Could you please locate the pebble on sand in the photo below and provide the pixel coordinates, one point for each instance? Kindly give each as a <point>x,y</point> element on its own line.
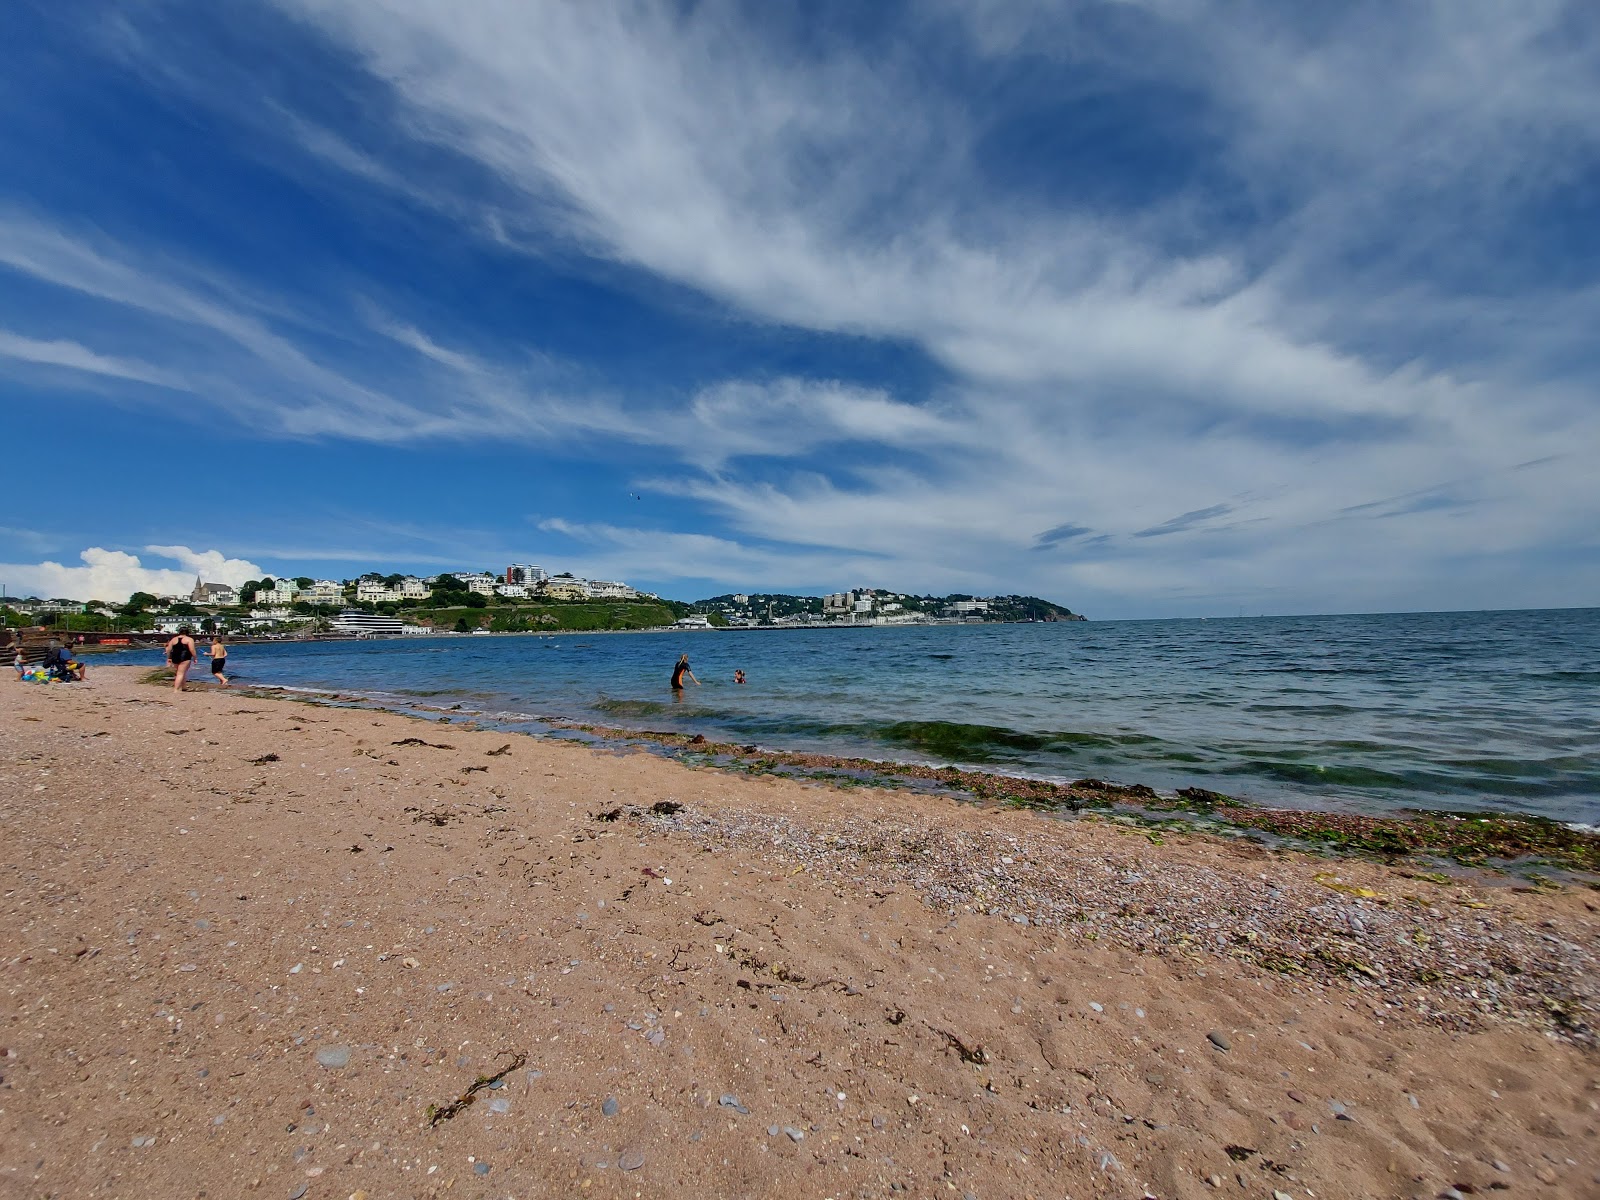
<point>610,1107</point>
<point>1219,1040</point>
<point>334,1056</point>
<point>630,1160</point>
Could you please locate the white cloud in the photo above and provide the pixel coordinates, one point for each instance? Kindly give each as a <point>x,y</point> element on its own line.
<point>61,353</point>
<point>622,552</point>
<point>1336,361</point>
<point>114,575</point>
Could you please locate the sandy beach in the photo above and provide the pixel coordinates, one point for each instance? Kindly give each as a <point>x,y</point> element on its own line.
<point>258,947</point>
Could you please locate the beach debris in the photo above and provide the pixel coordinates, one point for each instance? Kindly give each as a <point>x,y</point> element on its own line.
<point>433,817</point>
<point>698,739</point>
<point>1205,796</point>
<point>1116,789</point>
<point>470,770</point>
<point>1219,1040</point>
<point>334,1057</point>
<point>1333,882</point>
<point>729,1100</point>
<point>263,760</point>
<point>416,741</point>
<point>971,1054</point>
<point>437,1113</point>
<point>1239,1153</point>
<point>665,808</point>
<point>610,814</point>
<point>506,749</point>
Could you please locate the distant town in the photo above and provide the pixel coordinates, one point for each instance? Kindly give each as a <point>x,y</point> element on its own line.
<point>519,599</point>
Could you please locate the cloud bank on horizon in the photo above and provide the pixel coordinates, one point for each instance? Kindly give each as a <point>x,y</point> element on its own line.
<point>1124,304</point>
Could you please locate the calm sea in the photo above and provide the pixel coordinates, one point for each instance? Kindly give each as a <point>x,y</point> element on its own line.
<point>1492,710</point>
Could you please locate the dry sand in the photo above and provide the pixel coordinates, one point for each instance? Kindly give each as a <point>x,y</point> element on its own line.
<point>233,978</point>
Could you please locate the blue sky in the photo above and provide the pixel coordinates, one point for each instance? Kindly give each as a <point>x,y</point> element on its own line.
<point>1151,308</point>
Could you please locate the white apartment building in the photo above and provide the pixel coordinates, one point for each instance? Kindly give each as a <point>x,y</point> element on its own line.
<point>376,591</point>
<point>477,581</point>
<point>282,591</point>
<point>412,588</point>
<point>512,591</point>
<point>526,574</point>
<point>600,589</point>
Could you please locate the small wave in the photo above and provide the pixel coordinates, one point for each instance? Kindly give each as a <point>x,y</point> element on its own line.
<point>631,708</point>
<point>1365,777</point>
<point>1307,710</point>
<point>952,739</point>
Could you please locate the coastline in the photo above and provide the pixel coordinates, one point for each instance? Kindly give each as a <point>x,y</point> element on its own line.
<point>1531,847</point>
<point>267,936</point>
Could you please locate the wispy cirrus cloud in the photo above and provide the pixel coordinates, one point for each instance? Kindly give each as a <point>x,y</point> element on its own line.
<point>73,357</point>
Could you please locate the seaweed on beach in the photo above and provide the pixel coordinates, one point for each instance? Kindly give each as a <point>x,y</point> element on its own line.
<point>1477,839</point>
<point>443,1112</point>
<point>1473,839</point>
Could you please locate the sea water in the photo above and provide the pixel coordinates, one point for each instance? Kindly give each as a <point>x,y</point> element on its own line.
<point>1491,710</point>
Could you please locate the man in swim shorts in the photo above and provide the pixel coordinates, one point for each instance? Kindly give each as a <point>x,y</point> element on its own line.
<point>219,659</point>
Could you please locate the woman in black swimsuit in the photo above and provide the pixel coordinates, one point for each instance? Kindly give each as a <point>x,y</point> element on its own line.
<point>679,671</point>
<point>180,654</point>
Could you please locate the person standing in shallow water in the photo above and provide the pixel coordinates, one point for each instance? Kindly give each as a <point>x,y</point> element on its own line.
<point>180,655</point>
<point>678,672</point>
<point>219,659</point>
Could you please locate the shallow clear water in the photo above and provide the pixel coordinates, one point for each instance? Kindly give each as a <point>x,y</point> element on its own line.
<point>1439,710</point>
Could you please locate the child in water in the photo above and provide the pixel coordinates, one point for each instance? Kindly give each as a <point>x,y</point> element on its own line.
<point>738,676</point>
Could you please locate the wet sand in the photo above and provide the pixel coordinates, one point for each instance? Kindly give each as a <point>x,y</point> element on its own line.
<point>239,974</point>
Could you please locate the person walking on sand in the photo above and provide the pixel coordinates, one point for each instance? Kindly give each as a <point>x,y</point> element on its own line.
<point>180,654</point>
<point>679,671</point>
<point>219,659</point>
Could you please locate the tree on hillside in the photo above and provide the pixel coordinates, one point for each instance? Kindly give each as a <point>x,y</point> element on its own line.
<point>304,581</point>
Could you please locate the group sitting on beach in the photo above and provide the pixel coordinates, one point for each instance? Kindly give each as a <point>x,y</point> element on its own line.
<point>58,665</point>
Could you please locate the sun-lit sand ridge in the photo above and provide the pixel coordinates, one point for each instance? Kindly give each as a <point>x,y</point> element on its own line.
<point>243,974</point>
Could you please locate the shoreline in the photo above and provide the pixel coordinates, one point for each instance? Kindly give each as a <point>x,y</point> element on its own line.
<point>256,947</point>
<point>1486,839</point>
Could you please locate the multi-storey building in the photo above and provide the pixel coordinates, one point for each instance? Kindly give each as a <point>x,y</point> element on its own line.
<point>600,589</point>
<point>376,591</point>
